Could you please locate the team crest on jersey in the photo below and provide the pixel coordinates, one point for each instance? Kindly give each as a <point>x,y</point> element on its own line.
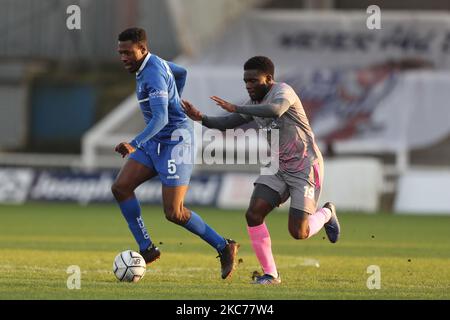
<point>268,124</point>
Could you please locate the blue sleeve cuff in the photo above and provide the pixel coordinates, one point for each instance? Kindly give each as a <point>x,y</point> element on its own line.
<point>134,143</point>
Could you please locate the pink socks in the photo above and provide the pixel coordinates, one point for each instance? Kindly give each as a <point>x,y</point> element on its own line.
<point>262,246</point>
<point>317,220</point>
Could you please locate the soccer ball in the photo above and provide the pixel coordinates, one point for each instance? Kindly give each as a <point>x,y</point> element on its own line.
<point>129,266</point>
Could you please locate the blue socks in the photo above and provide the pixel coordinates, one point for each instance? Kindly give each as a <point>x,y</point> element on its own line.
<point>196,225</point>
<point>132,212</point>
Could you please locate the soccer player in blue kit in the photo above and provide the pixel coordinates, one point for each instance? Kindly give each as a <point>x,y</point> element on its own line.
<point>156,150</point>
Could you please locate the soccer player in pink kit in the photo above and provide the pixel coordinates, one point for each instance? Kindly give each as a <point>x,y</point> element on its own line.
<point>275,105</point>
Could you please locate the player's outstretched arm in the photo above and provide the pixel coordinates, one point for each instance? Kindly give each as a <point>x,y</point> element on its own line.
<point>230,121</point>
<point>270,110</point>
<point>222,123</point>
<point>180,75</point>
<point>191,111</point>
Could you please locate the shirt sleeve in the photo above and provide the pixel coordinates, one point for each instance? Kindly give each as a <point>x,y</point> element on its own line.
<point>270,110</point>
<point>180,75</point>
<point>226,122</point>
<point>159,105</point>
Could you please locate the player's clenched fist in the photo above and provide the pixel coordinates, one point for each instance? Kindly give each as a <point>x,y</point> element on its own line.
<point>124,148</point>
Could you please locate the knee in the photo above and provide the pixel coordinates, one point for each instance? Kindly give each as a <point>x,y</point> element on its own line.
<point>119,190</point>
<point>298,234</point>
<point>175,215</point>
<point>253,217</point>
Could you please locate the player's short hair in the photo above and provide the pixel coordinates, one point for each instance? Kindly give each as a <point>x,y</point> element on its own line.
<point>135,35</point>
<point>260,63</point>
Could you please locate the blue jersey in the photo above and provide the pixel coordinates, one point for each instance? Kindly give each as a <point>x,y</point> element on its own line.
<point>159,86</point>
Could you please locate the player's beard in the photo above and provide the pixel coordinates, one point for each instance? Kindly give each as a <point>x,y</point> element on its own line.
<point>258,95</point>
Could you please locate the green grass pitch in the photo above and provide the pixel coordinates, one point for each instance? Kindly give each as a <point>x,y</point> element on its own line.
<point>38,242</point>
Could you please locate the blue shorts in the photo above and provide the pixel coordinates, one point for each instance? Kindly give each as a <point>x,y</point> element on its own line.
<point>172,162</point>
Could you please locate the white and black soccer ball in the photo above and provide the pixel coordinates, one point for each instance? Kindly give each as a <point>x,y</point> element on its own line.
<point>129,266</point>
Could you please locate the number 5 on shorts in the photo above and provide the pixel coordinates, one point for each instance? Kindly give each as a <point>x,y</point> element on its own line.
<point>171,167</point>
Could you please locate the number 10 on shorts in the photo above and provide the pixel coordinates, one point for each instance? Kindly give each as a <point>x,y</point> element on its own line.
<point>171,167</point>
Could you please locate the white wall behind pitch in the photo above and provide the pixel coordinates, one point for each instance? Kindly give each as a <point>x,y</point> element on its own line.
<point>424,191</point>
<point>353,184</point>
